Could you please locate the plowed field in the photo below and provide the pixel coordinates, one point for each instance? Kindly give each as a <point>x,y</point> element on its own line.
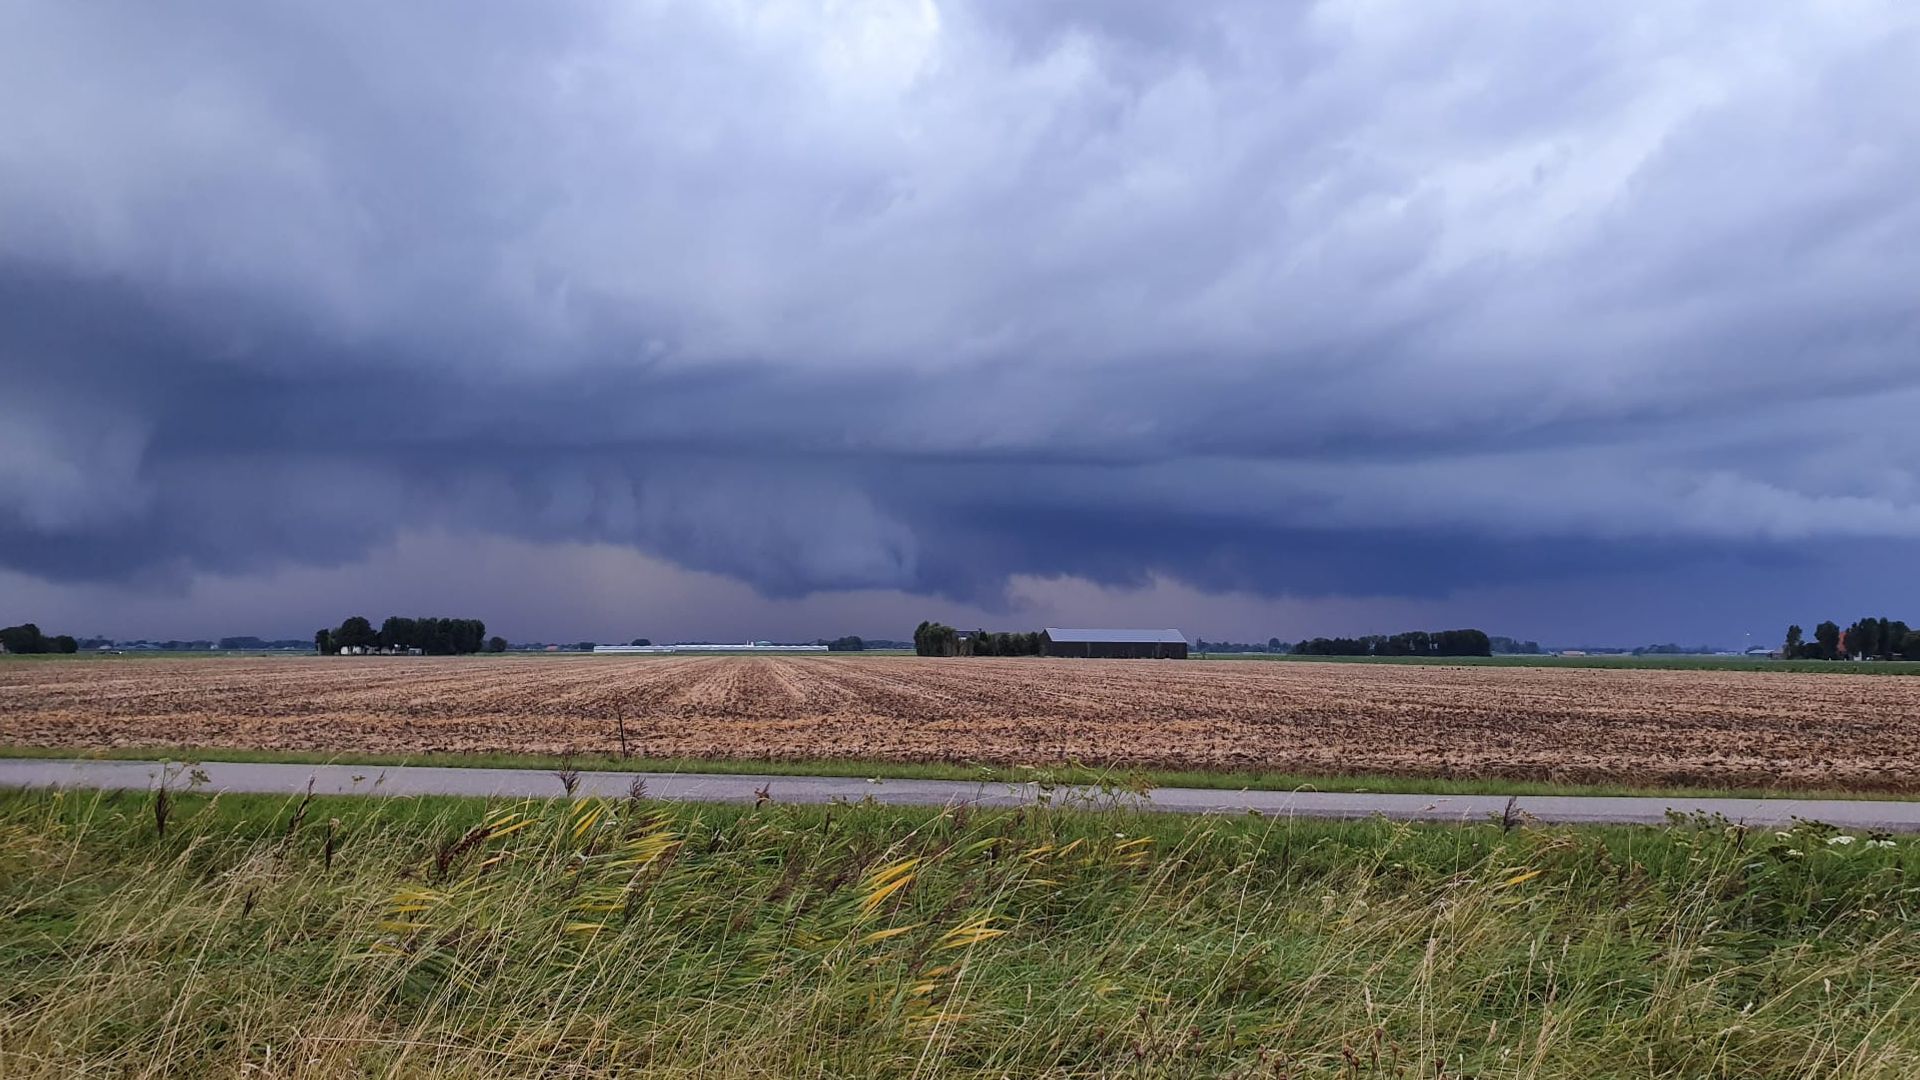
<point>1575,725</point>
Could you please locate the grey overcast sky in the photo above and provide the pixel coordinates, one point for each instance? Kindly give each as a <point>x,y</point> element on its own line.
<point>1586,323</point>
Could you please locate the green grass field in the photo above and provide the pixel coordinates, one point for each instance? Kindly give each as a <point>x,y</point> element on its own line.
<point>264,937</point>
<point>1060,775</point>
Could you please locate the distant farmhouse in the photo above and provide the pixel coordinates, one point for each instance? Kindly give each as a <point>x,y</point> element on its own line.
<point>1116,644</point>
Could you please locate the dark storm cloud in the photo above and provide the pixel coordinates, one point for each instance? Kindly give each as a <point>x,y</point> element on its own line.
<point>1262,298</point>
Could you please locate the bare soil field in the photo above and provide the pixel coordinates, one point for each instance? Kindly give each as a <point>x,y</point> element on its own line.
<point>1712,728</point>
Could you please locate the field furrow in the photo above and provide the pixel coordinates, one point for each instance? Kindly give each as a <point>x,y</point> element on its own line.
<point>1726,728</point>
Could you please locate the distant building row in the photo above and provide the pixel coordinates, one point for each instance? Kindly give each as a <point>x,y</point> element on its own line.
<point>939,639</point>
<point>748,647</point>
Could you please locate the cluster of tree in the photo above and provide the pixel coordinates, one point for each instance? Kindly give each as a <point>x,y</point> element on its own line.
<point>1506,646</point>
<point>850,643</point>
<point>170,644</point>
<point>1015,643</point>
<point>640,642</point>
<point>1272,645</point>
<point>27,638</point>
<point>1412,643</point>
<point>434,637</point>
<point>935,639</point>
<point>1866,639</point>
<point>939,639</point>
<point>254,643</point>
<point>1671,649</point>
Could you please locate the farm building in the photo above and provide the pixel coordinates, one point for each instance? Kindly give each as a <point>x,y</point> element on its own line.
<point>1117,644</point>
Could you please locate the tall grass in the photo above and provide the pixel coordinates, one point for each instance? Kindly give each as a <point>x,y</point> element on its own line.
<point>1060,774</point>
<point>266,937</point>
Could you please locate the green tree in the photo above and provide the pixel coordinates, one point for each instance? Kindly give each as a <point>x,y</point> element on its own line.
<point>936,639</point>
<point>640,641</point>
<point>397,633</point>
<point>1895,639</point>
<point>496,644</point>
<point>355,633</point>
<point>1863,639</point>
<point>63,643</point>
<point>25,638</point>
<point>1795,642</point>
<point>1827,635</point>
<point>323,642</point>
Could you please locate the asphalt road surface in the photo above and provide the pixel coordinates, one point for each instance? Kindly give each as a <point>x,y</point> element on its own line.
<point>708,787</point>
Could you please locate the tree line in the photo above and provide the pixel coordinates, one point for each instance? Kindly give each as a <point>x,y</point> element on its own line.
<point>1273,645</point>
<point>1412,643</point>
<point>1502,646</point>
<point>246,642</point>
<point>1866,639</point>
<point>27,638</point>
<point>434,637</point>
<point>939,639</point>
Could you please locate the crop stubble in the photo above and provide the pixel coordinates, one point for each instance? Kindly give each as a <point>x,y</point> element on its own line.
<point>1576,725</point>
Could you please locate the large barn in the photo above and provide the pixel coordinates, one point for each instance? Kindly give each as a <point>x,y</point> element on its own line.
<point>1117,644</point>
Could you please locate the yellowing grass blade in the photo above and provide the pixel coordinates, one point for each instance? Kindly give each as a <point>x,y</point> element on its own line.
<point>970,933</point>
<point>888,873</point>
<point>889,932</point>
<point>879,896</point>
<point>588,816</point>
<point>509,830</point>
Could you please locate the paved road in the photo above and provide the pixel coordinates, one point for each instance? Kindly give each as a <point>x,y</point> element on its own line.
<point>701,787</point>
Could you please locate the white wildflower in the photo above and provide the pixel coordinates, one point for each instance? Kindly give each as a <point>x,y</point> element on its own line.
<point>1842,840</point>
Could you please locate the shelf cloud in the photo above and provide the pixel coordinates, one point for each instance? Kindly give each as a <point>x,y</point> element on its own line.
<point>1248,302</point>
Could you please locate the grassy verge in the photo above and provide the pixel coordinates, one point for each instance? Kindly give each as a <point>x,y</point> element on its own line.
<point>272,937</point>
<point>897,770</point>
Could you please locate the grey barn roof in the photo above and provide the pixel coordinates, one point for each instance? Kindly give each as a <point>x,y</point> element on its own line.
<point>1063,634</point>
